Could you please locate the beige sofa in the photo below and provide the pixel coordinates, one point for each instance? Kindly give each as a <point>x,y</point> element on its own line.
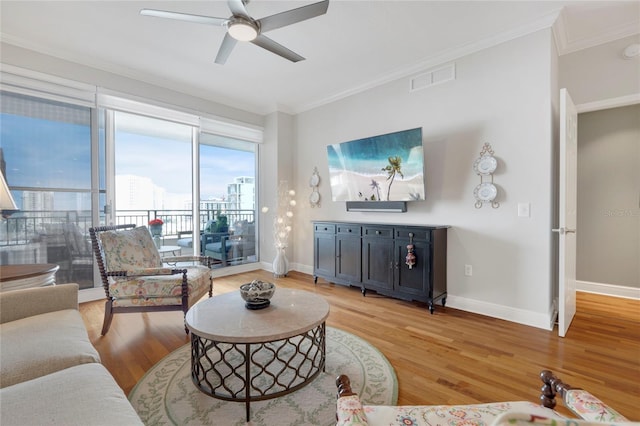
<point>50,373</point>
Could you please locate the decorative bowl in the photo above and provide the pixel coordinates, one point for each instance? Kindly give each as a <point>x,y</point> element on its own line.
<point>257,293</point>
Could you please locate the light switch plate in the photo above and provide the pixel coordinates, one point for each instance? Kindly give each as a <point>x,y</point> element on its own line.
<point>524,210</point>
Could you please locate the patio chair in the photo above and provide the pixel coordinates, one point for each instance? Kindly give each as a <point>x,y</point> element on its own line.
<point>134,278</point>
<point>56,249</point>
<point>80,256</point>
<point>185,238</point>
<point>217,246</point>
<point>242,243</point>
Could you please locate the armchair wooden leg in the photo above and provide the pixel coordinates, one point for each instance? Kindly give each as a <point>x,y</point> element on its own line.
<point>108,316</point>
<point>184,319</point>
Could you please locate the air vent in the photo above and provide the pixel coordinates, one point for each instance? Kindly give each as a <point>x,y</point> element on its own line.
<point>433,77</point>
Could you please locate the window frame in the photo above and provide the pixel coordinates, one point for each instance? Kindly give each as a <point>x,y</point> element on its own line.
<point>101,101</point>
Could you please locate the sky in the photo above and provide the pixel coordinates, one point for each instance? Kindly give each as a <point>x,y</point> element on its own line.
<point>56,154</point>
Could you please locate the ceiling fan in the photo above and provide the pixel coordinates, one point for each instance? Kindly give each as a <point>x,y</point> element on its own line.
<point>242,27</point>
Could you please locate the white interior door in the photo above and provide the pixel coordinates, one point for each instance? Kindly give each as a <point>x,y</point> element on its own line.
<point>567,213</point>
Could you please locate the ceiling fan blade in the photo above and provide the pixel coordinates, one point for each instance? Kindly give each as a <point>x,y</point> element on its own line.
<point>237,8</point>
<point>198,19</point>
<point>228,43</point>
<point>278,49</point>
<point>292,16</point>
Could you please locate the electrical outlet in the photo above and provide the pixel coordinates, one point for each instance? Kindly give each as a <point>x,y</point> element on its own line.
<point>468,270</point>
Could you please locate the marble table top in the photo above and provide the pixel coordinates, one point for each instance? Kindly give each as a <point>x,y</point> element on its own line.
<point>224,318</point>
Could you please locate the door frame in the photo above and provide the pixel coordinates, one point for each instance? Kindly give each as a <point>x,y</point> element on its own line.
<point>600,105</point>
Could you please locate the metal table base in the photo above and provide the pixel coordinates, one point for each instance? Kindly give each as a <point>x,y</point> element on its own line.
<point>245,372</point>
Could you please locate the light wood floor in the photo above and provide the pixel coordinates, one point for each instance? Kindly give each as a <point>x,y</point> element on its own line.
<point>451,357</point>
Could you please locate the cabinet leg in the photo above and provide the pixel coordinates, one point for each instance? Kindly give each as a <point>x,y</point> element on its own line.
<point>315,279</point>
<point>444,300</point>
<point>363,291</point>
<point>431,307</point>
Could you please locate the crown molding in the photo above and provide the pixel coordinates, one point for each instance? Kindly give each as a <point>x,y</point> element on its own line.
<point>542,23</point>
<point>559,29</point>
<point>554,20</point>
<point>129,73</point>
<point>566,46</point>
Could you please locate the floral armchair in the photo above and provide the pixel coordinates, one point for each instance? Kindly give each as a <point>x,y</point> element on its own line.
<point>592,411</point>
<point>134,278</point>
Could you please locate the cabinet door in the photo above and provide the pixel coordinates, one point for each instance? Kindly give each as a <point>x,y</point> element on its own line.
<point>377,262</point>
<point>413,282</point>
<point>324,253</point>
<point>348,258</point>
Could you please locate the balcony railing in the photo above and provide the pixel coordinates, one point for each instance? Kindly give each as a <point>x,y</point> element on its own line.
<point>39,236</point>
<point>25,226</point>
<point>178,221</point>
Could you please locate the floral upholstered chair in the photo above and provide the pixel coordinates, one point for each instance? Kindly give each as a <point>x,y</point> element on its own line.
<point>134,278</point>
<point>592,411</point>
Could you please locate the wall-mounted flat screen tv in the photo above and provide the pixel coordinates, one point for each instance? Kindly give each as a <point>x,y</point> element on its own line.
<point>387,167</point>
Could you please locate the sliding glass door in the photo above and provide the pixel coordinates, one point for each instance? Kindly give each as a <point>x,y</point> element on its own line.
<point>46,156</point>
<point>153,180</point>
<point>73,163</point>
<point>228,199</point>
<point>153,174</point>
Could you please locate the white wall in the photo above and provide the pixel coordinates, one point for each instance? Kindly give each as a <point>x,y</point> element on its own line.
<point>600,72</point>
<point>502,96</point>
<point>276,165</point>
<point>608,238</point>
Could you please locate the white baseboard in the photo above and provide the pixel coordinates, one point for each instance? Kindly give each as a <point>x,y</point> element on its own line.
<point>520,316</point>
<point>533,319</point>
<point>236,269</point>
<point>609,289</point>
<point>305,269</point>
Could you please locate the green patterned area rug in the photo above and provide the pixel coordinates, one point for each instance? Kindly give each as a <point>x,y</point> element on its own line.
<point>166,395</point>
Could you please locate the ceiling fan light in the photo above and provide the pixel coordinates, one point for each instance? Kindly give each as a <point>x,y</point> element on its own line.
<point>243,31</point>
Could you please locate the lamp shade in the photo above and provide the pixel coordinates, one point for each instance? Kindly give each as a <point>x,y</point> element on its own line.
<point>6,200</point>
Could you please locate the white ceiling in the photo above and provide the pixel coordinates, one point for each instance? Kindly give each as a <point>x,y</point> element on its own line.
<point>356,45</point>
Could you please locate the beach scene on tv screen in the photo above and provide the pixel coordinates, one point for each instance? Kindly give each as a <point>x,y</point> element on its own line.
<point>387,167</point>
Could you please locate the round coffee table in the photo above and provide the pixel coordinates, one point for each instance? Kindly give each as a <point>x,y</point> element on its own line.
<point>244,355</point>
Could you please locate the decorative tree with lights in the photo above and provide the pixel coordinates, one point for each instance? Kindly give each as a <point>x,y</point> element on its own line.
<point>282,227</point>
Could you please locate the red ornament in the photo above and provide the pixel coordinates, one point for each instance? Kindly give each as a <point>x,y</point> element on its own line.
<point>410,260</point>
